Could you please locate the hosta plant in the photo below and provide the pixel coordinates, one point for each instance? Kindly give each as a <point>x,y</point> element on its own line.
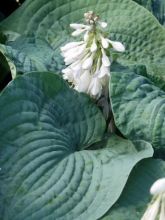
<point>82,131</point>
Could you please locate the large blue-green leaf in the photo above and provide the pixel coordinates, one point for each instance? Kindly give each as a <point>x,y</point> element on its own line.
<point>128,22</point>
<point>135,197</point>
<point>157,7</point>
<point>138,107</point>
<point>30,54</point>
<point>51,165</point>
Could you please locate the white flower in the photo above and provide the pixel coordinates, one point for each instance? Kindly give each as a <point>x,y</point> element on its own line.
<point>152,211</point>
<point>162,213</point>
<point>95,87</point>
<point>86,36</point>
<point>118,46</point>
<point>71,45</point>
<point>83,82</point>
<point>68,74</point>
<point>104,70</point>
<point>104,42</point>
<point>79,29</point>
<point>93,46</point>
<point>103,24</point>
<point>76,66</point>
<point>88,62</point>
<point>156,210</point>
<point>79,26</point>
<point>77,32</point>
<point>158,187</point>
<point>74,54</point>
<point>105,59</point>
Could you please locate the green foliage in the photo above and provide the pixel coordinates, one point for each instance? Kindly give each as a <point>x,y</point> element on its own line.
<point>138,107</point>
<point>47,167</point>
<point>30,54</point>
<point>157,7</point>
<point>135,196</point>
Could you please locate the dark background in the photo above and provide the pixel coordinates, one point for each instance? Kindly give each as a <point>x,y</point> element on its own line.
<point>6,8</point>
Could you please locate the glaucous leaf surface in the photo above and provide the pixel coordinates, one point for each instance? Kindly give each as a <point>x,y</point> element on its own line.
<point>30,54</point>
<point>157,7</point>
<point>135,197</point>
<point>51,164</point>
<point>138,107</point>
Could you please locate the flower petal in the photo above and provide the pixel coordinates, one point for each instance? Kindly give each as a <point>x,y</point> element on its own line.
<point>162,210</point>
<point>83,83</point>
<point>103,24</point>
<point>71,45</point>
<point>93,46</point>
<point>152,211</point>
<point>78,26</point>
<point>95,87</point>
<point>76,64</point>
<point>74,54</point>
<point>68,74</point>
<point>158,187</point>
<point>77,32</point>
<point>87,63</point>
<point>118,46</point>
<point>104,70</point>
<point>105,59</point>
<point>104,42</point>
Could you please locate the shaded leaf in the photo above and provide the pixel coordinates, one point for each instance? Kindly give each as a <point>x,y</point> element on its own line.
<point>135,197</point>
<point>30,54</point>
<point>48,167</point>
<point>138,107</point>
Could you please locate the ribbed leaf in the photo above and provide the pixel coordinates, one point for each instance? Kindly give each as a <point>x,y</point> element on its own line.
<point>138,108</point>
<point>129,23</point>
<point>136,196</point>
<point>48,169</point>
<point>157,7</point>
<point>30,54</point>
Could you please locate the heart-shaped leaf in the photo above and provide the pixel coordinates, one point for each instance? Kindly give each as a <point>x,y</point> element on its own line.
<point>138,107</point>
<point>51,166</point>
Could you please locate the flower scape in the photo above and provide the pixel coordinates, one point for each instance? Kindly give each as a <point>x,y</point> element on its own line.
<point>88,62</point>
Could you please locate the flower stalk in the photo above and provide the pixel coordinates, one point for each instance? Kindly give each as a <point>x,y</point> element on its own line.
<point>88,62</point>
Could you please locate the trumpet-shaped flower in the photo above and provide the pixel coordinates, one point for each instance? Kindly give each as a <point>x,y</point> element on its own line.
<point>88,60</point>
<point>156,209</point>
<point>104,42</point>
<point>118,46</point>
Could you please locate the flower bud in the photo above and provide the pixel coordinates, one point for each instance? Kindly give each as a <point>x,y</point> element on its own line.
<point>118,46</point>
<point>158,187</point>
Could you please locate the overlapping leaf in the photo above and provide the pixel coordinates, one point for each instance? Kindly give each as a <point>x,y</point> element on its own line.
<point>48,169</point>
<point>138,108</point>
<point>30,54</point>
<point>136,196</point>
